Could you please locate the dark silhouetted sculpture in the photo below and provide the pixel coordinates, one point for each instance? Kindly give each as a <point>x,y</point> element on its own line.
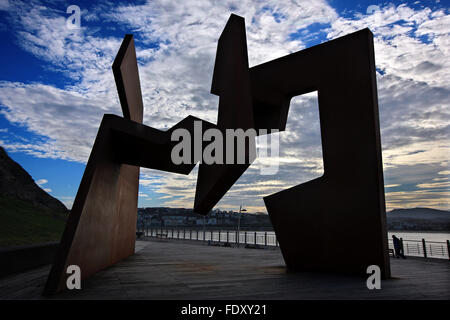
<point>335,223</point>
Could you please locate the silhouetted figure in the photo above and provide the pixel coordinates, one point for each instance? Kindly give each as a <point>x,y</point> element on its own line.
<point>398,248</point>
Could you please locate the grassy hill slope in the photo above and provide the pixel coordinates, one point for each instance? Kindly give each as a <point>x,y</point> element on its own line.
<point>21,223</point>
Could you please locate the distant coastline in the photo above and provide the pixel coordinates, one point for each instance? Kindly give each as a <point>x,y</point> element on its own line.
<point>414,220</point>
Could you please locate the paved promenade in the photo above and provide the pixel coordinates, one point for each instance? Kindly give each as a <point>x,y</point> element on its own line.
<point>171,269</point>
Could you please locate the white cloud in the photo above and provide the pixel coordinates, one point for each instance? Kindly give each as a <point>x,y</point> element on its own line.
<point>40,182</point>
<point>176,78</point>
<point>434,185</point>
<point>67,200</point>
<point>4,5</point>
<point>419,198</point>
<point>398,49</point>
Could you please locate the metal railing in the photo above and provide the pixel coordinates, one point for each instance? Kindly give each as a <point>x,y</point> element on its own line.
<point>415,248</point>
<point>423,248</point>
<point>258,238</point>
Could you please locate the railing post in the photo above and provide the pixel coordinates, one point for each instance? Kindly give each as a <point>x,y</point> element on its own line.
<point>265,238</point>
<point>228,237</point>
<point>245,234</point>
<point>448,249</point>
<point>401,246</point>
<point>255,238</point>
<point>219,235</point>
<point>424,248</point>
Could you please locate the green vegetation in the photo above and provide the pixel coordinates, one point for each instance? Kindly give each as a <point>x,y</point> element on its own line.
<point>21,223</point>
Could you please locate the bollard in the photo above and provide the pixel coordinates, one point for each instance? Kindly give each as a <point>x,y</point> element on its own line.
<point>424,248</point>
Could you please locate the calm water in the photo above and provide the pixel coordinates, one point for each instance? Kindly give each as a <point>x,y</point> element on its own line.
<point>428,236</point>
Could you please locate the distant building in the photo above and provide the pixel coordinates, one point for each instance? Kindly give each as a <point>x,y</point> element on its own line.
<point>182,217</point>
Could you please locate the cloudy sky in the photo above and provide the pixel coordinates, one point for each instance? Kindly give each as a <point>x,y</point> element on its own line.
<point>56,83</point>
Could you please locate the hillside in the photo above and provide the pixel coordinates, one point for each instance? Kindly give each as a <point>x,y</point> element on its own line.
<point>419,219</point>
<point>28,214</point>
<point>22,223</point>
<point>16,183</point>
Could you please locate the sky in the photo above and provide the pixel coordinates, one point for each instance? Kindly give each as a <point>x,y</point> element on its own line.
<point>56,83</point>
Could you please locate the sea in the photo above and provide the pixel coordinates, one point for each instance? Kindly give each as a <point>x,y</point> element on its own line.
<point>417,235</point>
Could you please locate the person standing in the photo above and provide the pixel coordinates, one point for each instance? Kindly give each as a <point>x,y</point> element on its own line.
<point>398,247</point>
